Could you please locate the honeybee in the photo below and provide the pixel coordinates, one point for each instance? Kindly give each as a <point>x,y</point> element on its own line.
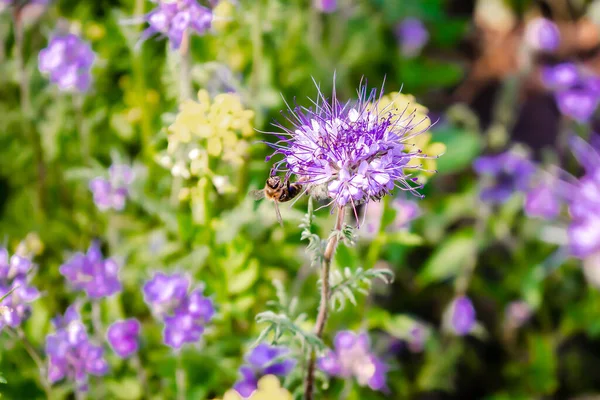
<point>278,191</point>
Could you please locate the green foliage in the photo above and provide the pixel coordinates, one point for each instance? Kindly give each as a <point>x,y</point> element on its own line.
<point>346,284</point>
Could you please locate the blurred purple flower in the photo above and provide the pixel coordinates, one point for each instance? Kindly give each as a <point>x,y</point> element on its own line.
<point>68,61</point>
<point>352,357</point>
<point>91,273</point>
<point>560,76</point>
<point>112,192</point>
<point>15,275</point>
<point>517,314</point>
<point>542,34</point>
<point>325,6</point>
<point>174,18</point>
<point>462,316</point>
<point>542,202</point>
<point>578,103</point>
<point>406,211</point>
<point>71,355</point>
<point>509,171</point>
<point>583,199</point>
<point>183,314</point>
<point>417,337</point>
<point>262,360</point>
<point>354,152</point>
<point>123,337</point>
<point>413,36</point>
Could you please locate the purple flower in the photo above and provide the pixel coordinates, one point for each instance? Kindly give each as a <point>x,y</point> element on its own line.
<point>508,171</point>
<point>560,76</point>
<point>123,337</point>
<point>542,202</point>
<point>353,152</point>
<point>542,34</point>
<point>68,61</point>
<point>578,103</point>
<point>15,275</point>
<point>583,199</point>
<point>406,211</point>
<point>174,18</point>
<point>462,316</point>
<point>413,36</point>
<point>352,357</point>
<point>91,273</point>
<point>112,192</point>
<point>517,314</point>
<point>325,6</point>
<point>71,355</point>
<point>183,314</point>
<point>262,360</point>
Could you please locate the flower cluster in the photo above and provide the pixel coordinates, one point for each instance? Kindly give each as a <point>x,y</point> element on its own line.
<point>352,357</point>
<point>262,360</point>
<point>413,36</point>
<point>583,200</point>
<point>507,173</point>
<point>68,61</point>
<point>123,337</point>
<point>112,193</point>
<point>184,314</point>
<point>70,353</point>
<point>355,151</point>
<point>541,34</point>
<point>15,276</point>
<point>174,19</point>
<point>268,388</point>
<point>90,272</point>
<point>577,92</point>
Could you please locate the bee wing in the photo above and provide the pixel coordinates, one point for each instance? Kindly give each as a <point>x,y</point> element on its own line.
<point>257,194</point>
<point>278,213</point>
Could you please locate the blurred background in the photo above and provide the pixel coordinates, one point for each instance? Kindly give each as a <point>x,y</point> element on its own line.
<point>142,142</point>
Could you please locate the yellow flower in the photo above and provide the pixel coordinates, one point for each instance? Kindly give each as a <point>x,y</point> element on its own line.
<point>414,117</point>
<point>216,128</point>
<point>269,388</point>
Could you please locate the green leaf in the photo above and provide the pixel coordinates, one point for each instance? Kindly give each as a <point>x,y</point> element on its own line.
<point>449,258</point>
<point>462,147</point>
<point>242,280</point>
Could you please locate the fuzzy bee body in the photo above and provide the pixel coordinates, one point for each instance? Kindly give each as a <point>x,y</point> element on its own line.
<point>278,191</point>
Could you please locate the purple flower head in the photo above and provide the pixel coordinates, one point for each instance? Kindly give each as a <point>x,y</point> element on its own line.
<point>542,34</point>
<point>578,103</point>
<point>68,61</point>
<point>185,315</point>
<point>560,76</point>
<point>352,357</point>
<point>542,202</point>
<point>112,193</point>
<point>72,356</point>
<point>15,276</point>
<point>174,18</point>
<point>517,314</point>
<point>509,172</point>
<point>583,199</point>
<point>462,316</point>
<point>262,360</point>
<point>325,6</point>
<point>123,337</point>
<point>413,36</point>
<point>353,152</point>
<point>90,272</point>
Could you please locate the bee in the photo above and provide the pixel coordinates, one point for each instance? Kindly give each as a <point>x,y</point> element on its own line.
<point>278,191</point>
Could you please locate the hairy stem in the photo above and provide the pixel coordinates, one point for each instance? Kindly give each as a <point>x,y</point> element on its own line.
<point>26,110</point>
<point>324,303</point>
<point>36,359</point>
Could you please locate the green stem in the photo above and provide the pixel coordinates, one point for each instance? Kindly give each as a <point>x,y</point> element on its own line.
<point>324,302</point>
<point>180,378</point>
<point>18,332</point>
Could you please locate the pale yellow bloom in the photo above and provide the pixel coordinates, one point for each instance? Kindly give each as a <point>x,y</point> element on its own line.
<point>413,116</point>
<point>269,388</point>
